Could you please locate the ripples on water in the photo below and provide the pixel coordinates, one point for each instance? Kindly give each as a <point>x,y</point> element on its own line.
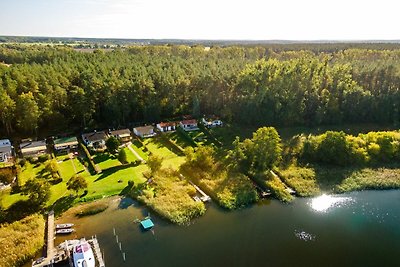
<point>325,202</point>
<point>302,235</point>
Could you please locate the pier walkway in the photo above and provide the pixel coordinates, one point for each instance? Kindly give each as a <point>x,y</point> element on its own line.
<point>204,197</point>
<point>97,252</point>
<point>50,250</point>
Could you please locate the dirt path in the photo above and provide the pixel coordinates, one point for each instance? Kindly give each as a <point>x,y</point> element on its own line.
<point>135,153</point>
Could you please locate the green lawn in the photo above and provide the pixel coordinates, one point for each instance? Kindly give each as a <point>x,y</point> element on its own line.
<point>138,147</point>
<point>156,146</point>
<point>177,139</point>
<point>200,138</point>
<point>129,155</point>
<point>106,160</point>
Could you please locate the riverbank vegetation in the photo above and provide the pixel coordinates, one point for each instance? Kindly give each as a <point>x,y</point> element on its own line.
<point>21,240</point>
<point>230,188</point>
<point>92,209</point>
<point>169,195</point>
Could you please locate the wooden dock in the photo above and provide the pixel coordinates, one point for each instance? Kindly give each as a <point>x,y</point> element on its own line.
<point>204,197</point>
<point>50,250</point>
<point>97,252</point>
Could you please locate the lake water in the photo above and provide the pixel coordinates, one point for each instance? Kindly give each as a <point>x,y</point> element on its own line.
<point>356,229</point>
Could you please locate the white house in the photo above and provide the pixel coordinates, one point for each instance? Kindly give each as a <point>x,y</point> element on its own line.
<point>33,148</point>
<point>123,135</point>
<point>144,131</point>
<point>189,125</point>
<point>211,123</point>
<point>5,150</point>
<point>167,126</point>
<point>95,139</point>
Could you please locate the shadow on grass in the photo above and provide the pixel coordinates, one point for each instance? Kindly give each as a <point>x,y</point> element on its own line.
<point>63,204</point>
<point>107,172</point>
<point>162,141</point>
<point>18,211</point>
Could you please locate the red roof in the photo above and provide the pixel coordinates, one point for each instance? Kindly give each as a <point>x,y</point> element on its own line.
<point>189,122</point>
<point>166,124</point>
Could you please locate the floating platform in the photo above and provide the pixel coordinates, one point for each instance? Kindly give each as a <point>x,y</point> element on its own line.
<point>147,224</point>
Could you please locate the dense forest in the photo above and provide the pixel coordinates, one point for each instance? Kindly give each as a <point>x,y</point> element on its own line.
<point>47,90</point>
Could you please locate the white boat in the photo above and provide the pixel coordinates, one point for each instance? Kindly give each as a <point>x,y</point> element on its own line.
<point>64,225</point>
<point>64,231</point>
<point>83,255</point>
<point>68,244</point>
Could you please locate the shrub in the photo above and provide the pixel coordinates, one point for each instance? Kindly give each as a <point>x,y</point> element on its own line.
<point>43,158</point>
<point>21,240</point>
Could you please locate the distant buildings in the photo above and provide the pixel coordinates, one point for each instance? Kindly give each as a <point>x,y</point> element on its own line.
<point>123,135</point>
<point>189,125</point>
<point>33,148</point>
<point>96,140</point>
<point>5,150</point>
<point>66,144</point>
<point>167,126</point>
<point>144,131</point>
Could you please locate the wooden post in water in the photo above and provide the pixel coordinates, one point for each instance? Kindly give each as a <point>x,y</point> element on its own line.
<point>123,255</point>
<point>120,246</point>
<point>114,231</point>
<point>116,238</point>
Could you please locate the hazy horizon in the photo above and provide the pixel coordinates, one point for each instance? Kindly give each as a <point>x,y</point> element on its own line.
<point>252,20</point>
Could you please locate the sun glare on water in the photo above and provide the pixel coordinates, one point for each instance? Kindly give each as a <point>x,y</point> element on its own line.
<point>325,202</point>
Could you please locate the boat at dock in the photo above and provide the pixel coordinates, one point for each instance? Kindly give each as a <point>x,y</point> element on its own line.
<point>83,255</point>
<point>68,244</point>
<point>64,231</point>
<point>64,225</point>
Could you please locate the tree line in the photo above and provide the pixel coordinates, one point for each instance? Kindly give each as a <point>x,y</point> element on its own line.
<point>47,90</point>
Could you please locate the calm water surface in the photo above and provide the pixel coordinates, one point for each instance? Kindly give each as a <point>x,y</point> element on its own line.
<point>356,229</point>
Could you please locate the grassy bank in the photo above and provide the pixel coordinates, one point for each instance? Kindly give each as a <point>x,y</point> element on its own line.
<point>20,240</point>
<point>170,197</point>
<point>301,179</point>
<point>91,209</point>
<point>231,190</point>
<point>311,181</point>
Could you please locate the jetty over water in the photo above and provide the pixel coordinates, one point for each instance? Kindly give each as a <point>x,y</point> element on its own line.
<point>96,251</point>
<point>59,254</point>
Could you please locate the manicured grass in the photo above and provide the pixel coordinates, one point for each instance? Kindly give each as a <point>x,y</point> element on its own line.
<point>106,160</point>
<point>9,199</point>
<point>177,138</point>
<point>138,147</point>
<point>129,155</point>
<point>199,137</point>
<point>156,147</point>
<point>21,240</point>
<point>106,183</point>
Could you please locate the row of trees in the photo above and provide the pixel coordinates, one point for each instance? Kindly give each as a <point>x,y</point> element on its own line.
<point>338,148</point>
<point>51,89</point>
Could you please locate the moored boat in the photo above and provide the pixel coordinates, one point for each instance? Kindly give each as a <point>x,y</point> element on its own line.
<point>83,255</point>
<point>64,225</point>
<point>64,231</point>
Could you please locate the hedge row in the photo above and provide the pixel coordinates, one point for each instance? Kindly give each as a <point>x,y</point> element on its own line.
<point>93,166</point>
<point>210,135</point>
<point>185,135</point>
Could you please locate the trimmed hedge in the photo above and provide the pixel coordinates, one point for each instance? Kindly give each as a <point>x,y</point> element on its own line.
<point>209,134</point>
<point>185,135</point>
<point>93,166</point>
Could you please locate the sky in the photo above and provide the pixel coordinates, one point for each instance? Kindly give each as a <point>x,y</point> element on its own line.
<point>203,19</point>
